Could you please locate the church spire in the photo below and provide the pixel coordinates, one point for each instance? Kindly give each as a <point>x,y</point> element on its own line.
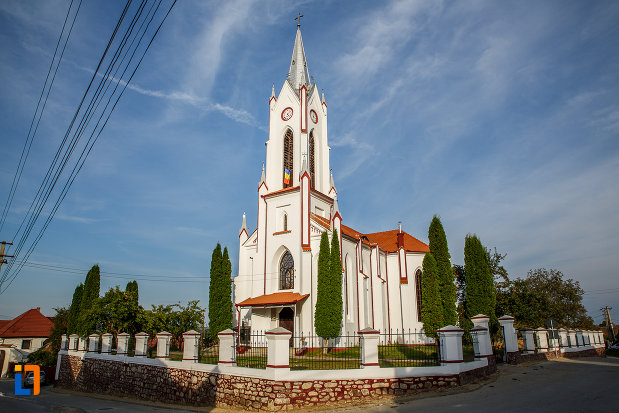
<point>243,226</point>
<point>298,74</point>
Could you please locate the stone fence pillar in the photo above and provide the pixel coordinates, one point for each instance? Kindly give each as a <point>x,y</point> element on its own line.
<point>278,348</point>
<point>73,342</point>
<point>510,338</point>
<point>369,347</point>
<point>64,342</point>
<point>484,343</point>
<point>580,342</point>
<point>227,350</point>
<point>81,344</point>
<point>572,337</point>
<point>122,344</point>
<point>141,340</point>
<point>542,339</point>
<point>93,343</point>
<point>563,343</point>
<point>450,342</point>
<point>191,346</point>
<point>163,345</point>
<point>529,340</point>
<point>106,343</point>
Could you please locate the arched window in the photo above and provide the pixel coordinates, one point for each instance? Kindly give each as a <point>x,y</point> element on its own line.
<point>312,159</point>
<point>286,272</point>
<point>288,159</point>
<point>418,291</point>
<point>285,222</point>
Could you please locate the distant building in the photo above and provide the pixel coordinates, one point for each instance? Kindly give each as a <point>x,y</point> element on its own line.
<point>21,336</point>
<point>297,202</point>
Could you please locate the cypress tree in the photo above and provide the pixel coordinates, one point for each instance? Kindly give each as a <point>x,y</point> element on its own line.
<point>321,314</point>
<point>480,292</point>
<point>445,275</point>
<point>225,293</point>
<point>335,287</point>
<point>74,310</point>
<point>431,308</point>
<point>216,270</point>
<point>87,322</point>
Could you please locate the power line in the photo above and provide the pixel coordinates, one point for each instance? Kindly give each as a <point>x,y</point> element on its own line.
<point>106,78</point>
<point>30,136</point>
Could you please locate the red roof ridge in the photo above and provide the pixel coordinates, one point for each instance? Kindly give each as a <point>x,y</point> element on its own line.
<point>29,324</point>
<point>321,220</point>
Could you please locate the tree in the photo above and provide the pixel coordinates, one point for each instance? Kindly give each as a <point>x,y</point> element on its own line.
<point>58,329</point>
<point>87,323</point>
<point>444,272</point>
<point>216,275</point>
<point>480,292</point>
<point>431,308</point>
<point>74,310</point>
<point>118,311</point>
<point>175,319</point>
<point>542,295</point>
<point>335,284</point>
<point>220,293</point>
<point>324,314</point>
<point>225,296</point>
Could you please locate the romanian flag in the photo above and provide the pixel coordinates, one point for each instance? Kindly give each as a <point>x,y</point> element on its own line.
<point>286,176</point>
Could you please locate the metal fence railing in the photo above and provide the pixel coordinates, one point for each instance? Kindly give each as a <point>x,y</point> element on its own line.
<point>498,346</point>
<point>209,353</point>
<point>408,348</point>
<point>470,346</point>
<point>314,353</point>
<point>250,349</point>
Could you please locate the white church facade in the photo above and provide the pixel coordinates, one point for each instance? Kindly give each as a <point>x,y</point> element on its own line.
<point>297,201</point>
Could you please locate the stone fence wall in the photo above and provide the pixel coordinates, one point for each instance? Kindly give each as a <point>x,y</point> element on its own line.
<point>82,367</point>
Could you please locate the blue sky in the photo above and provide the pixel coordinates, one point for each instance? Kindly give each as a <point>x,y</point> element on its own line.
<point>501,117</point>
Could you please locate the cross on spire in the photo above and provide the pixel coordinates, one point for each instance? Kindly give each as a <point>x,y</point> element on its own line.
<point>298,18</point>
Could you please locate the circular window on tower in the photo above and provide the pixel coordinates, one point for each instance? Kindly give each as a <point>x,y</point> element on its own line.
<point>286,114</point>
<point>313,116</point>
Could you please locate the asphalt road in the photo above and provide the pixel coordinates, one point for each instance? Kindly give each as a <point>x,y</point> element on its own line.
<point>53,401</point>
<point>581,385</point>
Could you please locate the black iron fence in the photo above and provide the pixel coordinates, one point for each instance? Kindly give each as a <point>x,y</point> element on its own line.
<point>250,349</point>
<point>315,353</point>
<point>470,346</point>
<point>498,346</point>
<point>407,348</point>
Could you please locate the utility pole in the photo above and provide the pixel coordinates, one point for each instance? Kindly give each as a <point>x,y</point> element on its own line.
<point>609,323</point>
<point>2,256</point>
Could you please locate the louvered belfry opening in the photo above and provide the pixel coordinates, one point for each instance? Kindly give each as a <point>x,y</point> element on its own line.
<point>312,159</point>
<point>288,158</point>
<point>418,291</point>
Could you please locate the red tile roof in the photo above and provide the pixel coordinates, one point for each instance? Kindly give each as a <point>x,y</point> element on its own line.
<point>281,298</point>
<point>322,221</point>
<point>29,324</point>
<point>388,240</point>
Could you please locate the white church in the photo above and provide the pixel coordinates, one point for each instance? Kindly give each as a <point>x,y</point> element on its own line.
<point>297,202</point>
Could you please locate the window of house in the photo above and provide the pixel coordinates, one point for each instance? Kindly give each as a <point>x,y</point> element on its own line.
<point>25,344</point>
<point>288,159</point>
<point>286,272</point>
<point>312,159</point>
<point>285,222</point>
<point>418,291</point>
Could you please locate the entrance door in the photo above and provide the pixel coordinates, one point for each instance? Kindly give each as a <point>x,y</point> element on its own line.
<point>286,320</point>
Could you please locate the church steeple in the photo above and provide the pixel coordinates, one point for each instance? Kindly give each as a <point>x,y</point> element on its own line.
<point>298,74</point>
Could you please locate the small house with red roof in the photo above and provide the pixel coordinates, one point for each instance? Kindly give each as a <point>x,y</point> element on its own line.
<point>22,335</point>
<point>297,201</point>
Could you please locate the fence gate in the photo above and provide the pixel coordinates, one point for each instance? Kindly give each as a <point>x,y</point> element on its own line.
<point>498,346</point>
